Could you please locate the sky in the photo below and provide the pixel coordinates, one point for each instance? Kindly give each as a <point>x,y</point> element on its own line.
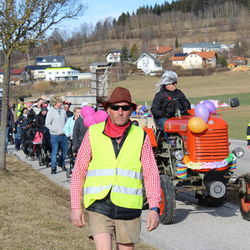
<point>100,9</point>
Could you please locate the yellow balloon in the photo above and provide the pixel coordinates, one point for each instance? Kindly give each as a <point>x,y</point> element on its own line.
<point>197,125</point>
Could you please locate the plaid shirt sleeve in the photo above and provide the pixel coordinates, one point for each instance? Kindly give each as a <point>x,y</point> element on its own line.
<point>150,174</point>
<point>80,171</point>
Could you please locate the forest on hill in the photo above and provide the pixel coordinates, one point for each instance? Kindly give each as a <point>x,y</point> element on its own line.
<point>168,24</point>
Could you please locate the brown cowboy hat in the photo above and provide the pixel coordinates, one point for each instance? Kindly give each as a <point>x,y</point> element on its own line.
<point>120,94</point>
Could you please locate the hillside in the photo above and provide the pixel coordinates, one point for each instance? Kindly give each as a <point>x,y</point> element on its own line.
<point>228,23</point>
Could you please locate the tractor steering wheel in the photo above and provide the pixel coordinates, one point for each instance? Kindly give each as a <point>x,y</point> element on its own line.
<point>177,105</point>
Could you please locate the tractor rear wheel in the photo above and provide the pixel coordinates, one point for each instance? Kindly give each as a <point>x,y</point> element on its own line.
<point>168,202</point>
<point>245,200</point>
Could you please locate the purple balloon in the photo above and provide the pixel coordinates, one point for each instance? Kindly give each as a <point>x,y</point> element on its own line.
<point>201,111</point>
<point>210,105</point>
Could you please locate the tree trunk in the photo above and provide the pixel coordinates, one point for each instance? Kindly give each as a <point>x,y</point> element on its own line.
<point>4,113</point>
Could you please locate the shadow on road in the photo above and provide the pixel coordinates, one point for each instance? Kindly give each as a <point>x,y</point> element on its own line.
<point>187,205</point>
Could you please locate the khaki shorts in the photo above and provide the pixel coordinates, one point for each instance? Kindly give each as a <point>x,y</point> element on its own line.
<point>124,231</point>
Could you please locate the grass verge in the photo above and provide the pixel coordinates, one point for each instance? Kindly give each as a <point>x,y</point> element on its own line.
<point>35,212</point>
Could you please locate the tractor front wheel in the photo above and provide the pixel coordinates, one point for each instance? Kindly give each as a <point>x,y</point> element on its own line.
<point>168,202</point>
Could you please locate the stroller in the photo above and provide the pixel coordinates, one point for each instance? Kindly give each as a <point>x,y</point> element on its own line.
<point>28,135</point>
<point>42,147</point>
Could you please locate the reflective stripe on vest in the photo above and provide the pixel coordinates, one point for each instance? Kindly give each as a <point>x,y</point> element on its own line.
<point>120,176</point>
<point>118,171</point>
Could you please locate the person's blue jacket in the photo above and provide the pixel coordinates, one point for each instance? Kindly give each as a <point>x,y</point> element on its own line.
<point>69,126</point>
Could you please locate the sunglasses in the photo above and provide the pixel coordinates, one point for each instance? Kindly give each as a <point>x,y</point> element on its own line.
<point>123,107</point>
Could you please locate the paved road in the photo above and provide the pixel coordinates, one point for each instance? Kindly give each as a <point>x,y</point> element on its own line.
<point>194,227</point>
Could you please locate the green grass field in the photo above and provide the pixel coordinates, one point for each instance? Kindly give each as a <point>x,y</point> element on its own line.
<point>218,86</point>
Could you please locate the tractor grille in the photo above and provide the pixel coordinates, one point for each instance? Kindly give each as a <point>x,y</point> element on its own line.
<point>212,145</point>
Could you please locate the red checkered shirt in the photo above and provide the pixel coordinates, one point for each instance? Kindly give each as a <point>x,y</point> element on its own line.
<point>149,169</point>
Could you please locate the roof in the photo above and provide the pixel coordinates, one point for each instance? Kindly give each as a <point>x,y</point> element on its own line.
<point>100,64</point>
<point>148,55</point>
<point>205,54</point>
<point>179,57</point>
<point>238,58</point>
<point>114,51</point>
<point>159,49</point>
<point>202,45</point>
<point>15,71</point>
<point>49,59</point>
<point>37,67</point>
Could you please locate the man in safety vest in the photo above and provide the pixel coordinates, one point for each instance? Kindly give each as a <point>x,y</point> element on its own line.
<point>114,157</point>
<point>19,107</point>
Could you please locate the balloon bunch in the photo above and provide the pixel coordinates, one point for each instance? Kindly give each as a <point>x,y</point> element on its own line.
<point>91,117</point>
<point>198,124</point>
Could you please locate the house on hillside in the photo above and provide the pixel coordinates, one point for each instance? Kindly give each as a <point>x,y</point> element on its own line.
<point>114,56</point>
<point>159,52</point>
<point>37,72</point>
<point>17,76</point>
<point>178,59</point>
<point>239,60</point>
<point>214,46</point>
<point>53,61</point>
<point>61,74</point>
<point>148,64</point>
<point>195,60</point>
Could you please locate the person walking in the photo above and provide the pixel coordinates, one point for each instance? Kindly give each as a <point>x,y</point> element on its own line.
<point>69,126</point>
<point>66,106</point>
<point>166,100</point>
<point>79,131</point>
<point>248,136</point>
<point>114,157</point>
<point>55,121</point>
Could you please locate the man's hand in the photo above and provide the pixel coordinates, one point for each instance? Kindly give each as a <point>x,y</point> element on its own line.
<point>248,147</point>
<point>77,217</point>
<point>152,220</point>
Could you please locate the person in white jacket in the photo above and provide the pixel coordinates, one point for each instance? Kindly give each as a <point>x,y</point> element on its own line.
<point>55,121</point>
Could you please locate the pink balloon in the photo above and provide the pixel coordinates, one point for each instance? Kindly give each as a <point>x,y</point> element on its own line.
<point>210,105</point>
<point>201,111</point>
<point>88,121</point>
<point>86,111</point>
<point>100,116</point>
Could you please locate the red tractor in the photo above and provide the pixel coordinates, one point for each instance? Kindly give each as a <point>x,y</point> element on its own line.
<point>199,162</point>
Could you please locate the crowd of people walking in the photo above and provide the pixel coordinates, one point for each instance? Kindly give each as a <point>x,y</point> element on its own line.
<point>49,123</point>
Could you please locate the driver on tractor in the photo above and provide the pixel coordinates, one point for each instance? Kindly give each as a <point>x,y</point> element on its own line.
<point>169,101</point>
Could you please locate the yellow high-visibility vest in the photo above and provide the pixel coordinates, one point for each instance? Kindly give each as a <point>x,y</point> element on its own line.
<point>121,176</point>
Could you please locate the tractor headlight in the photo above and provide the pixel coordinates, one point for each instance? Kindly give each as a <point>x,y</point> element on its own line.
<point>238,152</point>
<point>179,155</point>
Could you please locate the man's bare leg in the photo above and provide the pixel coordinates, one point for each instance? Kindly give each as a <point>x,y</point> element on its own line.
<point>103,241</point>
<point>125,246</point>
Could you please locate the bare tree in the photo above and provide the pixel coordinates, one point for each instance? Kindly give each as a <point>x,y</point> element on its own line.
<point>24,23</point>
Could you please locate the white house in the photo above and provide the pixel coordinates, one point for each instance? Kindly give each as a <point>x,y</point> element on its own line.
<point>148,64</point>
<point>114,56</point>
<point>53,61</point>
<point>195,60</point>
<point>61,74</point>
<point>214,46</point>
<point>37,72</point>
